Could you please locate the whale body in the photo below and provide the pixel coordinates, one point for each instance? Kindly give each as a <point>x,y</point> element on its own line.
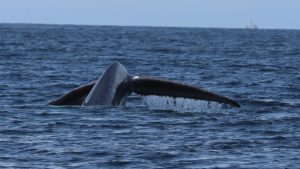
<point>116,84</point>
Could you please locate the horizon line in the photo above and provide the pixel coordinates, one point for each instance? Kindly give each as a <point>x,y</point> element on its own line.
<point>154,26</point>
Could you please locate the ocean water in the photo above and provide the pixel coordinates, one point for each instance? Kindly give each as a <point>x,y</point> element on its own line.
<point>257,68</point>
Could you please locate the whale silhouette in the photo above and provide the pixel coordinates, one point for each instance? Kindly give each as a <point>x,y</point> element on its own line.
<point>115,85</point>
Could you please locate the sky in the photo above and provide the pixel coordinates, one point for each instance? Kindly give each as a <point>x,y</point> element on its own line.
<point>271,14</point>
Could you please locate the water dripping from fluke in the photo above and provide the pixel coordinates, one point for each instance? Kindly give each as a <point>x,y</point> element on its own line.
<point>180,104</point>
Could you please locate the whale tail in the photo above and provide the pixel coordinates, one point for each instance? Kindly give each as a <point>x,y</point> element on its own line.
<point>150,86</point>
<point>75,96</point>
<point>115,84</point>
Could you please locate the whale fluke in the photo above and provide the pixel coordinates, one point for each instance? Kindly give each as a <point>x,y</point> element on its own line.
<point>151,86</point>
<point>75,96</point>
<point>115,84</point>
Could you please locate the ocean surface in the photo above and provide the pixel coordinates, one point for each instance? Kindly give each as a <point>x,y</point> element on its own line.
<point>260,69</point>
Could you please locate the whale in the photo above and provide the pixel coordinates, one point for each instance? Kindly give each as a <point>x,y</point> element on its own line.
<point>115,85</point>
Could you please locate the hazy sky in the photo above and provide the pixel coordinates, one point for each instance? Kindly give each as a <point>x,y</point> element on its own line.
<point>187,13</point>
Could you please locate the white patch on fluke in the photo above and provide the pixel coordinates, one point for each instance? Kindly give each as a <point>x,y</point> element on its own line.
<point>180,104</point>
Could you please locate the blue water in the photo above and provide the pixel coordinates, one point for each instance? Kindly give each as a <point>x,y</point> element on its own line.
<point>258,68</point>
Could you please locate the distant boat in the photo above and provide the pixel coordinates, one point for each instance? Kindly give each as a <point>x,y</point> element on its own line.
<point>251,25</point>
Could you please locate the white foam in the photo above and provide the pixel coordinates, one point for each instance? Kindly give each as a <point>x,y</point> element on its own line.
<point>180,104</point>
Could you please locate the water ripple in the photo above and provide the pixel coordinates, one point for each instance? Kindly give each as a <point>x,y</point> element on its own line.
<point>260,69</point>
